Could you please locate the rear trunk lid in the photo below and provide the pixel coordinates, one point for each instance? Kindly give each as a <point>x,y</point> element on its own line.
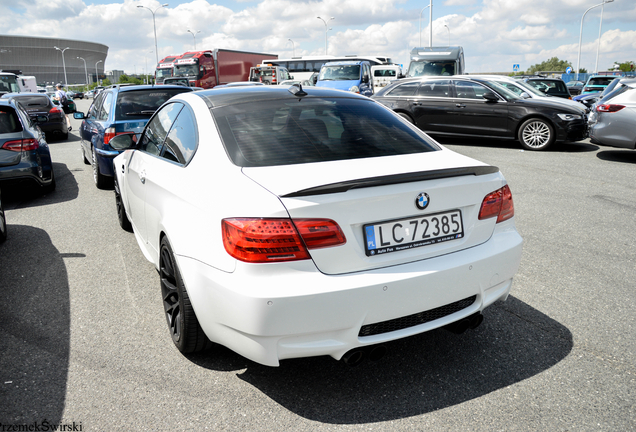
<point>374,201</point>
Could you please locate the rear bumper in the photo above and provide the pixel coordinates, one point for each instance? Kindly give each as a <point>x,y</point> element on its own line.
<point>269,312</point>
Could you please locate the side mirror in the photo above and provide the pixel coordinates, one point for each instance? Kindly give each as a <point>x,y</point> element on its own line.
<point>123,141</point>
<point>490,97</point>
<point>365,79</point>
<point>524,95</point>
<point>79,116</point>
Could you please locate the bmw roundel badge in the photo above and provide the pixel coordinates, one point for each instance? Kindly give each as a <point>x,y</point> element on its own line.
<point>422,201</point>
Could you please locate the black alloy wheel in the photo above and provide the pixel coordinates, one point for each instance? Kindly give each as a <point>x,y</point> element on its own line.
<point>536,134</point>
<point>184,327</point>
<point>124,222</point>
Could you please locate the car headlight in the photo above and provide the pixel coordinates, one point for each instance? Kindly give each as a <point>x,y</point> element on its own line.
<point>570,117</point>
<point>354,89</point>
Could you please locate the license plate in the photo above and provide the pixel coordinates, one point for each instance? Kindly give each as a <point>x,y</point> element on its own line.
<point>413,232</point>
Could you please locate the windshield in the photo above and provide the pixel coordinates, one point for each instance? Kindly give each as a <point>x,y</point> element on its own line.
<point>530,89</point>
<point>502,90</point>
<point>340,73</point>
<point>186,70</point>
<point>163,73</point>
<point>280,132</point>
<point>9,84</point>
<point>432,68</point>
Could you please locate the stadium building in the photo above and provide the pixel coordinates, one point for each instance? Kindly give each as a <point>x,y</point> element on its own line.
<point>37,56</point>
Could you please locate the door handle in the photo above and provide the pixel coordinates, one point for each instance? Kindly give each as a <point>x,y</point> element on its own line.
<point>417,103</point>
<point>142,177</point>
<point>460,105</point>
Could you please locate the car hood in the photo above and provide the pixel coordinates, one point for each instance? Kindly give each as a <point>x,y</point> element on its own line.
<point>338,85</point>
<point>557,103</point>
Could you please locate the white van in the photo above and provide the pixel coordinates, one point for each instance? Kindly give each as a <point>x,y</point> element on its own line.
<point>27,84</point>
<point>384,74</point>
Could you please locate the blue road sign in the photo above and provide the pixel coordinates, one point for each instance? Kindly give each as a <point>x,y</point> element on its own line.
<point>568,70</point>
<point>515,68</point>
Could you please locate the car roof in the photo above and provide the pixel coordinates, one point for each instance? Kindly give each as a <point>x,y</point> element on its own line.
<point>345,63</point>
<point>236,95</point>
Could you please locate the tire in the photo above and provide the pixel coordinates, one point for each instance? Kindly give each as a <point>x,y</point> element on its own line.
<point>536,134</point>
<point>183,325</point>
<point>101,181</point>
<point>51,186</point>
<point>124,222</point>
<point>3,225</point>
<point>406,117</point>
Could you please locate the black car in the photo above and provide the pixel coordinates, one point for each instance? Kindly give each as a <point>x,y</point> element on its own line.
<point>463,106</point>
<point>53,119</point>
<point>575,87</point>
<point>550,86</point>
<point>24,153</point>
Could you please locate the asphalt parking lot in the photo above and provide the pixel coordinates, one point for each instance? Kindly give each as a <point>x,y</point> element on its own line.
<point>84,342</point>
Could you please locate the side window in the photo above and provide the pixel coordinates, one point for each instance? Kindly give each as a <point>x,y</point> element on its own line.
<point>407,89</point>
<point>181,142</point>
<point>94,109</point>
<point>104,110</point>
<point>158,128</point>
<point>435,88</point>
<point>469,90</point>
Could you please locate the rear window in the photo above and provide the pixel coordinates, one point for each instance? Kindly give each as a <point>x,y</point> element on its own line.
<point>599,81</point>
<point>142,104</point>
<point>30,102</point>
<point>9,122</point>
<point>284,132</point>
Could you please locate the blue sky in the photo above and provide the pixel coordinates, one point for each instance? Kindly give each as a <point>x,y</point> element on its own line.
<point>495,34</point>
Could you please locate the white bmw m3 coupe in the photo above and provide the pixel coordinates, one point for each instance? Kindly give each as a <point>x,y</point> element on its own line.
<point>291,222</point>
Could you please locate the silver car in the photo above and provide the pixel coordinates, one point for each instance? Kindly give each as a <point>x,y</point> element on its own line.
<point>614,122</point>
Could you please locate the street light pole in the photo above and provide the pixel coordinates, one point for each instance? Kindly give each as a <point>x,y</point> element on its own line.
<point>598,45</point>
<point>195,38</point>
<point>430,24</point>
<point>154,24</point>
<point>293,48</point>
<point>97,73</point>
<point>63,64</point>
<point>448,34</point>
<point>578,60</point>
<point>85,70</point>
<point>326,30</point>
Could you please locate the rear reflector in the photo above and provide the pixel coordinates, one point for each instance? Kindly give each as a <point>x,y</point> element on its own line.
<point>609,108</point>
<point>21,145</point>
<point>259,240</point>
<point>498,203</point>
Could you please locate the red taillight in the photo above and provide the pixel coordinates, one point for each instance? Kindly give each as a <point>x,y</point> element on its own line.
<point>609,108</point>
<point>269,240</point>
<point>109,134</point>
<point>21,145</point>
<point>320,233</point>
<point>55,110</point>
<point>498,203</point>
